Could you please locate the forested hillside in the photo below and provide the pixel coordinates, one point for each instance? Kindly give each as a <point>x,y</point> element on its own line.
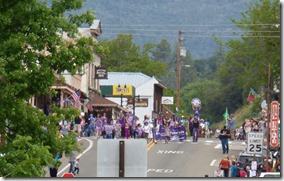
<point>152,20</point>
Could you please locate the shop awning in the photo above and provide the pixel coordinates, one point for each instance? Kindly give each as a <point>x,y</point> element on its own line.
<point>100,101</point>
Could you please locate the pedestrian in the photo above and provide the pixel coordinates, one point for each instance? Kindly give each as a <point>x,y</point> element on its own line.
<point>92,125</point>
<point>243,173</point>
<point>72,162</point>
<point>224,135</point>
<point>167,133</point>
<point>146,130</point>
<point>76,166</point>
<point>225,165</point>
<point>140,131</point>
<point>234,169</point>
<point>117,130</point>
<point>195,129</point>
<point>248,171</point>
<point>231,126</point>
<point>98,124</point>
<point>77,125</point>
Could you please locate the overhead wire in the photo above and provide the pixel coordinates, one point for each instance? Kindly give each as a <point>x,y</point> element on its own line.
<point>111,30</point>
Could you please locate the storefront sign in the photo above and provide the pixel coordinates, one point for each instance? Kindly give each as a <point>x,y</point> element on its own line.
<point>167,100</point>
<point>100,73</point>
<point>138,103</point>
<point>125,90</point>
<point>274,117</point>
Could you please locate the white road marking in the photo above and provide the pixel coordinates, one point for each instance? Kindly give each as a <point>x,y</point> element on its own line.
<point>212,163</point>
<point>68,165</point>
<point>218,146</point>
<point>209,141</point>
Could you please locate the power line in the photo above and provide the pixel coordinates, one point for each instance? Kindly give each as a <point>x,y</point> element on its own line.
<point>201,25</point>
<point>167,30</point>
<point>195,36</point>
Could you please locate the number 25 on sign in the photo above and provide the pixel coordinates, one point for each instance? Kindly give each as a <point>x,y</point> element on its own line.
<point>255,143</point>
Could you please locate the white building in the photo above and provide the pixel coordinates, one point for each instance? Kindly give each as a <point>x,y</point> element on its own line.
<point>149,90</point>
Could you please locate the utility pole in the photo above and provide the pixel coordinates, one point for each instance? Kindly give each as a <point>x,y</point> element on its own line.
<point>268,118</point>
<point>178,69</point>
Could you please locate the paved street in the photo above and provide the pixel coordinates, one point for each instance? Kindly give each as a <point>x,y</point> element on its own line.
<point>176,159</point>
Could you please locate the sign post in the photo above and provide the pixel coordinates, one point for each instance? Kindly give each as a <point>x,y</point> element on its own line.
<point>255,143</point>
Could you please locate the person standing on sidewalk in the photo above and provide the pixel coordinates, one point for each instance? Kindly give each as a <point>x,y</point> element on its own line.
<point>225,165</point>
<point>72,160</point>
<point>232,126</point>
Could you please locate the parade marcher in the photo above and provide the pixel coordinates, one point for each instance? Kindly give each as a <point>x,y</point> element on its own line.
<point>217,132</point>
<point>127,131</point>
<point>190,125</point>
<point>167,133</point>
<point>108,128</point>
<point>225,165</point>
<point>224,135</point>
<point>146,130</point>
<point>195,129</point>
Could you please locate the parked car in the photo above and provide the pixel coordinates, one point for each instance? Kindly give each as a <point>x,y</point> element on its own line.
<point>270,174</point>
<point>243,155</point>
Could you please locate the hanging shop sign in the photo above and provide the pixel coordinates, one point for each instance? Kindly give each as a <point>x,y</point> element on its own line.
<point>100,73</point>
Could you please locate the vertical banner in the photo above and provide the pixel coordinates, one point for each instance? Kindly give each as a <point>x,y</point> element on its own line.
<point>274,117</point>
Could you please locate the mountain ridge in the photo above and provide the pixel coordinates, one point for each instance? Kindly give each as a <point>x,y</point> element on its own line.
<point>150,21</point>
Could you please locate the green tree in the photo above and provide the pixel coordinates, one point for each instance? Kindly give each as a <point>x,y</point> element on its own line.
<point>36,42</point>
<point>124,56</point>
<point>248,58</point>
<point>208,91</point>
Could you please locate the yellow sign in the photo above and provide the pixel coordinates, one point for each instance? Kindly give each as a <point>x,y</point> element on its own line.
<point>125,90</point>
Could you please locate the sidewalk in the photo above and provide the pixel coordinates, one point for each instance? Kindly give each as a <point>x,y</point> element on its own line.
<point>64,167</point>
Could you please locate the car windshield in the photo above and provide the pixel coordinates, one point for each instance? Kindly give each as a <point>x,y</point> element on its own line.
<point>250,158</point>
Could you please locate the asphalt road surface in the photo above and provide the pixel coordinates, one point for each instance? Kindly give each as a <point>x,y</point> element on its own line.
<point>176,159</point>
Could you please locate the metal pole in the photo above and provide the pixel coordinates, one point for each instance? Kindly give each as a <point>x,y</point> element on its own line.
<point>121,158</point>
<point>178,69</point>
<point>121,100</point>
<point>133,98</point>
<point>268,118</point>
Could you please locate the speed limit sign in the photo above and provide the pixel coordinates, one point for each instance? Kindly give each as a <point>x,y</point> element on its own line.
<point>255,143</point>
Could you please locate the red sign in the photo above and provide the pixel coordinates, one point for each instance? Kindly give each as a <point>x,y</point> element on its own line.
<point>274,117</point>
<point>68,175</point>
